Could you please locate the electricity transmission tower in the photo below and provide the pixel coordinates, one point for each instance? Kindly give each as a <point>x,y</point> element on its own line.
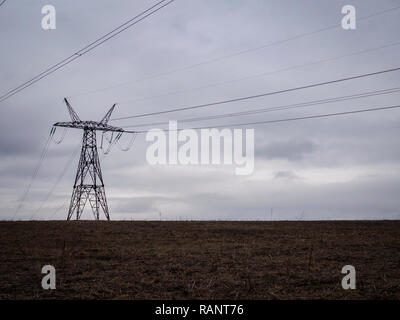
<point>89,184</point>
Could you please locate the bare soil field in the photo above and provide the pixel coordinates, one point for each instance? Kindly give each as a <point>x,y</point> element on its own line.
<point>200,260</point>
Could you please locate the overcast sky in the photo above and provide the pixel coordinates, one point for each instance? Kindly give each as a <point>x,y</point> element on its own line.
<point>344,167</point>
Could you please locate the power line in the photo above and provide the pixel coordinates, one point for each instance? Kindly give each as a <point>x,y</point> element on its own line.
<point>62,174</point>
<point>1,3</point>
<point>35,172</point>
<point>280,120</point>
<point>57,210</point>
<point>259,95</point>
<point>238,53</point>
<point>261,74</point>
<point>87,48</point>
<point>278,108</point>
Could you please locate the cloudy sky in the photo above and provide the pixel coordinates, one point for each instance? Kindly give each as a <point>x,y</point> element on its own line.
<point>344,167</point>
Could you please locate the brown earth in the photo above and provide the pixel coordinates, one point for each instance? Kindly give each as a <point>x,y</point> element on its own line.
<point>200,260</point>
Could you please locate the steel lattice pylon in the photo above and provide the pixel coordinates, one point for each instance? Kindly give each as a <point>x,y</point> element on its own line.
<point>88,169</point>
<point>89,184</point>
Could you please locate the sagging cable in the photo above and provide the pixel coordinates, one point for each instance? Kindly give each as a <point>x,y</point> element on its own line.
<point>111,142</point>
<point>129,146</point>
<point>62,135</point>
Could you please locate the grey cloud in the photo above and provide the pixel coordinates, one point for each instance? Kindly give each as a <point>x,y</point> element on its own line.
<point>285,175</point>
<point>293,150</point>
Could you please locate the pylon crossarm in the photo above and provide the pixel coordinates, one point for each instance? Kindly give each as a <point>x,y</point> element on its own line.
<point>88,125</point>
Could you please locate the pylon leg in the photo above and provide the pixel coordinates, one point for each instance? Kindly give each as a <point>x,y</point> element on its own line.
<point>75,199</point>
